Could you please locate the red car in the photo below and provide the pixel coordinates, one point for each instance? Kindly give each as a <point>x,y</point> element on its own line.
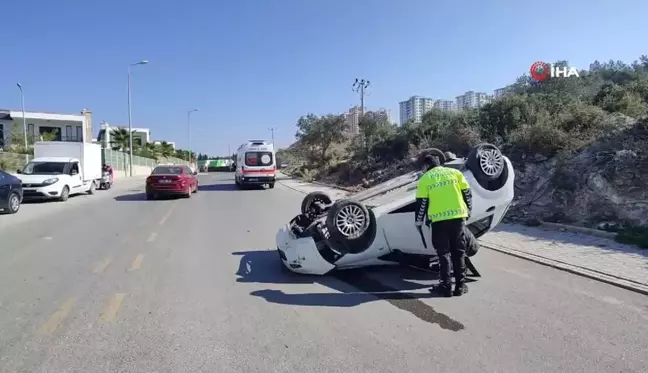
<point>171,180</point>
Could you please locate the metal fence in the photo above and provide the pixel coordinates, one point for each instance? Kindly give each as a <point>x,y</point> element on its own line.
<point>11,162</point>
<point>120,160</point>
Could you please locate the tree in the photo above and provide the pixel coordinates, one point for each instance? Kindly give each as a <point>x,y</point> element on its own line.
<point>318,133</point>
<point>119,139</point>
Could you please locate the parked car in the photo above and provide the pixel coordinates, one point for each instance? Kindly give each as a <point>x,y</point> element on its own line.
<point>11,193</point>
<point>171,180</point>
<point>376,226</point>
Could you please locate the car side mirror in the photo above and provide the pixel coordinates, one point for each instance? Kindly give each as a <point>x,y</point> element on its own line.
<point>195,173</point>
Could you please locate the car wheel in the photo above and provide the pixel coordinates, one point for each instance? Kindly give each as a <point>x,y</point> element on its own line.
<point>91,191</point>
<point>271,186</point>
<point>488,166</point>
<point>351,226</point>
<point>433,152</point>
<point>189,192</point>
<point>13,203</point>
<point>65,194</point>
<point>196,189</point>
<point>309,206</point>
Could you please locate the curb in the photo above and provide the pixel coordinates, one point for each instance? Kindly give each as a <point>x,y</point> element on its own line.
<point>577,229</point>
<point>576,270</point>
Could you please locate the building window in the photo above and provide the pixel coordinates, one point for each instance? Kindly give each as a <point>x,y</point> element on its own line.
<point>79,134</point>
<point>68,133</point>
<point>31,132</point>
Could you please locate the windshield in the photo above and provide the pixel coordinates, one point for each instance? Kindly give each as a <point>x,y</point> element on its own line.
<point>44,168</point>
<point>167,170</point>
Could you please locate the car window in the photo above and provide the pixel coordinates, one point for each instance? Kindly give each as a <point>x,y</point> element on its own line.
<point>167,170</point>
<point>75,168</point>
<point>44,168</point>
<point>258,158</point>
<point>188,170</point>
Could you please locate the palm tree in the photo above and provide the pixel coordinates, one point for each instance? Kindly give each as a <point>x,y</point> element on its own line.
<point>120,141</point>
<point>166,150</point>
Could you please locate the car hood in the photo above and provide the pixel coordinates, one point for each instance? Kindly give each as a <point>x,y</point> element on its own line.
<point>34,179</point>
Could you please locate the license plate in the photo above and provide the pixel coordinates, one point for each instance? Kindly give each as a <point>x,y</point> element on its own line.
<point>255,179</point>
<point>165,181</point>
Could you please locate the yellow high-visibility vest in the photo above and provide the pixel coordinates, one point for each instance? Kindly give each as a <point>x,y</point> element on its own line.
<point>442,186</point>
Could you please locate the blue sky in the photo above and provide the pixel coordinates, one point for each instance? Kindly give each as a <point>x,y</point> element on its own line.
<point>253,64</point>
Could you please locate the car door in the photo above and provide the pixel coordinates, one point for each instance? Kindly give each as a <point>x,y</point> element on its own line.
<point>188,174</point>
<point>4,188</point>
<point>76,179</point>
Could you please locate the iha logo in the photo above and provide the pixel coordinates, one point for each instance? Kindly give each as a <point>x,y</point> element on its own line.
<point>541,71</point>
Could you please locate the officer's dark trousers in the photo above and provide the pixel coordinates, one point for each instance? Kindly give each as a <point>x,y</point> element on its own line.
<point>447,238</point>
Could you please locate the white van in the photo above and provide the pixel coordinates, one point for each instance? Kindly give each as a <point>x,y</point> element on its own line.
<point>255,164</point>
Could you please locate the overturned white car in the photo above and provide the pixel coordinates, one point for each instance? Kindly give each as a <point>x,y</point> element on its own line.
<point>376,226</point>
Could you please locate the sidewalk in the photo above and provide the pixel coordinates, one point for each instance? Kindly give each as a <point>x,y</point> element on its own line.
<point>598,258</point>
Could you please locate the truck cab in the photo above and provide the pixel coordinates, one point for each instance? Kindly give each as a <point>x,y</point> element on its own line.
<point>53,178</point>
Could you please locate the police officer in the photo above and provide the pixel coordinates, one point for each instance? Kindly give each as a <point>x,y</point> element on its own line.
<point>443,195</point>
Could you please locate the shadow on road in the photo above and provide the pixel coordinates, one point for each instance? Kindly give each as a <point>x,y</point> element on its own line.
<point>36,201</point>
<point>354,287</point>
<point>228,188</point>
<point>141,197</point>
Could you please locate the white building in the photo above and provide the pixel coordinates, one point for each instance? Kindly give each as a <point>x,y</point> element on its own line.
<point>414,108</point>
<point>353,117</point>
<point>502,91</point>
<point>354,114</point>
<point>173,144</point>
<point>445,105</point>
<point>140,135</point>
<point>472,100</point>
<point>63,127</point>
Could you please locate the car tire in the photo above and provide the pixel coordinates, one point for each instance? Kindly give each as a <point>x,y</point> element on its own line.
<point>65,194</point>
<point>351,226</point>
<point>196,189</point>
<point>433,152</point>
<point>271,186</point>
<point>189,192</point>
<point>91,191</point>
<point>307,202</point>
<point>13,203</point>
<point>487,164</point>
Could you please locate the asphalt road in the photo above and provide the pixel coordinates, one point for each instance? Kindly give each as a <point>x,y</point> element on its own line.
<point>193,285</point>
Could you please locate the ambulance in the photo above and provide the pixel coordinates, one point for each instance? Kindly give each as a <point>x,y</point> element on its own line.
<point>255,164</point>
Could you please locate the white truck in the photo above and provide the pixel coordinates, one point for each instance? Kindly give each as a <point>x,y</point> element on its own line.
<point>60,169</point>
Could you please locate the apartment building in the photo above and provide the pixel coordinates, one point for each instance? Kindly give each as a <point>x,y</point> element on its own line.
<point>414,108</point>
<point>472,100</point>
<point>354,114</point>
<point>445,105</point>
<point>502,91</point>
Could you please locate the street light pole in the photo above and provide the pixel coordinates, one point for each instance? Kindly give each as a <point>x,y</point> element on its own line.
<point>130,126</point>
<point>22,105</point>
<point>360,85</point>
<point>272,129</point>
<point>189,133</point>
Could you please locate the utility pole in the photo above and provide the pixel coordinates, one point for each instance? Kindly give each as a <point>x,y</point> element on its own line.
<point>272,129</point>
<point>360,85</point>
